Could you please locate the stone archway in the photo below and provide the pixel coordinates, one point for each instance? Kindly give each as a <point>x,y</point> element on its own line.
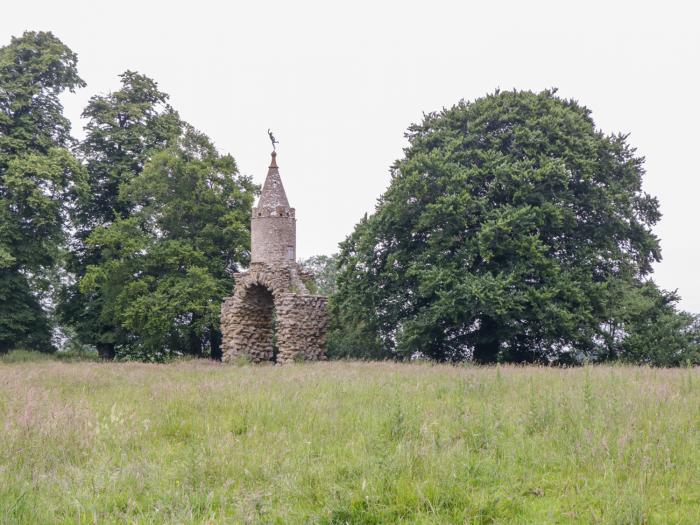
<point>258,322</point>
<point>253,318</point>
<point>272,317</point>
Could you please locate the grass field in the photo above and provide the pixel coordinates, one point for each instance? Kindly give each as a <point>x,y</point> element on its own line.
<point>344,442</point>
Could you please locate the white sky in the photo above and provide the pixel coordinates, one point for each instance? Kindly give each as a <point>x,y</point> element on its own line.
<point>339,83</point>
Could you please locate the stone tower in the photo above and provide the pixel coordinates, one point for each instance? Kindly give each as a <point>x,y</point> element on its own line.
<point>273,314</point>
<point>273,226</point>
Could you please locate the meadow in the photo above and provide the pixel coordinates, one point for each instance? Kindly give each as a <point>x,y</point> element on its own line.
<point>347,442</point>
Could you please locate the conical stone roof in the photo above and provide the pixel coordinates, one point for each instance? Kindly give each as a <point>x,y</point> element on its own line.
<point>273,195</point>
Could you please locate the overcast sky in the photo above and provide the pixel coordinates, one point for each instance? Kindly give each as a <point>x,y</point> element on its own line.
<point>339,83</point>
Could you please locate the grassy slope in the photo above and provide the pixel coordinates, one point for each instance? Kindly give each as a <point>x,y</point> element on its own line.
<point>347,443</point>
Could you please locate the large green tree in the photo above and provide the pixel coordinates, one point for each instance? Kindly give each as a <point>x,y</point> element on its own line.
<point>165,268</point>
<point>503,234</point>
<point>646,327</point>
<point>124,129</point>
<point>40,180</point>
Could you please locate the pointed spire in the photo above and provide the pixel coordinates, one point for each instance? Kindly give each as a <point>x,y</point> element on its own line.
<point>273,194</point>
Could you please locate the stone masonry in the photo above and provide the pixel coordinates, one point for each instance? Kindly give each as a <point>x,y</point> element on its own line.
<point>272,316</point>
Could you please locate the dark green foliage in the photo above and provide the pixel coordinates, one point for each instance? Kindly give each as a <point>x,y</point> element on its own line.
<point>350,341</point>
<point>40,181</point>
<point>165,268</point>
<point>34,70</point>
<point>22,319</point>
<point>647,328</point>
<point>501,235</point>
<point>124,129</point>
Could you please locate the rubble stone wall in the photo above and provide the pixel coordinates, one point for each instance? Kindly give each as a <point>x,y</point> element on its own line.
<point>301,327</point>
<point>247,323</point>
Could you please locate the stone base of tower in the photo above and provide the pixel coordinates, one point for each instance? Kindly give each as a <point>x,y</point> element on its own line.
<point>271,316</point>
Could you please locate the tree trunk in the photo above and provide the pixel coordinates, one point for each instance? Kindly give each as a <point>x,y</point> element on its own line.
<point>106,351</point>
<point>195,340</point>
<point>215,340</point>
<point>488,345</point>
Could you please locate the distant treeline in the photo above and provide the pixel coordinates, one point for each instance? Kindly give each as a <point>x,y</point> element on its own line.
<point>512,230</point>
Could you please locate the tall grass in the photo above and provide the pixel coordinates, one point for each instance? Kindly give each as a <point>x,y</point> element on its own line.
<point>335,443</point>
<point>30,356</point>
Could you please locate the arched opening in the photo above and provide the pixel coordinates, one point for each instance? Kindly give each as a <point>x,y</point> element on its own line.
<point>260,323</point>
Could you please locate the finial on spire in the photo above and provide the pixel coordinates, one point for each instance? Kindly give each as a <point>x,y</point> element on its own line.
<point>273,161</point>
<point>272,139</point>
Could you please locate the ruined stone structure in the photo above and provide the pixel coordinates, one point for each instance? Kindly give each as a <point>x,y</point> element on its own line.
<point>272,314</point>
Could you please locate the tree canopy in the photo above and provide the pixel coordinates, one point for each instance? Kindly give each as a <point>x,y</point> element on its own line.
<point>123,130</point>
<point>502,235</point>
<point>165,269</point>
<point>40,181</point>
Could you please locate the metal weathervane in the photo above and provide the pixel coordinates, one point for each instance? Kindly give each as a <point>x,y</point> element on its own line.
<point>272,139</point>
